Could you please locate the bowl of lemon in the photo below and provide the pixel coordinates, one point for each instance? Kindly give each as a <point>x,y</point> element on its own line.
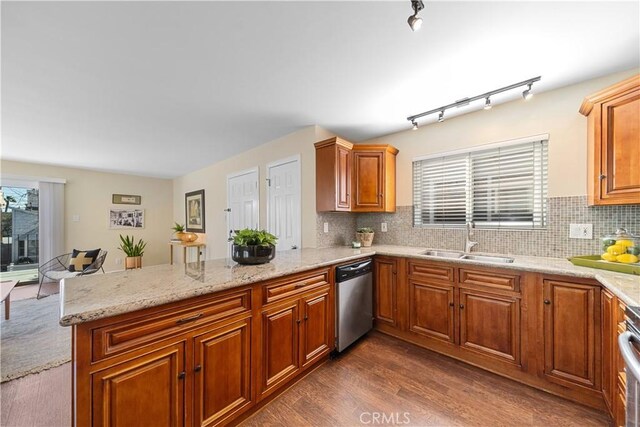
<point>622,247</point>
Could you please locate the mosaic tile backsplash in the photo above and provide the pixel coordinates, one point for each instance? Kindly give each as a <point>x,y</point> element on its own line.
<point>551,242</point>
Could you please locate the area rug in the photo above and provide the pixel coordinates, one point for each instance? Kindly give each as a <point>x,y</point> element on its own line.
<point>32,340</point>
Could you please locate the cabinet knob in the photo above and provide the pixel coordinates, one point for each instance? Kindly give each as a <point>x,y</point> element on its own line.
<point>602,176</point>
<point>306,317</point>
<point>181,375</point>
<point>547,302</point>
<point>451,304</point>
<point>298,321</point>
<point>461,305</point>
<point>197,368</point>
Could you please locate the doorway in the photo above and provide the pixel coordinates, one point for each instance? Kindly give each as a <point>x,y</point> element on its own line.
<point>243,200</point>
<point>284,214</point>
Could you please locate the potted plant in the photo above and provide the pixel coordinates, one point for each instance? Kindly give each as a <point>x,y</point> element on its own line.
<point>365,235</point>
<point>181,234</point>
<point>133,251</point>
<point>253,246</point>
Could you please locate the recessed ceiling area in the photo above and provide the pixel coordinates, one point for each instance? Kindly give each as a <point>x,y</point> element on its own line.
<point>136,87</point>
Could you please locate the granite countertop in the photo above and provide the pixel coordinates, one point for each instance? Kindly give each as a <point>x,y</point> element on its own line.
<point>103,295</point>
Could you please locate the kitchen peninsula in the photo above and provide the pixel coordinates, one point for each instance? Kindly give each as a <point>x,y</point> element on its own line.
<point>208,343</point>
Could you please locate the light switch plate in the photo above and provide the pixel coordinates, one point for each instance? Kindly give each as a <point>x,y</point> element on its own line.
<point>75,218</point>
<point>326,227</point>
<point>581,231</point>
<point>383,227</point>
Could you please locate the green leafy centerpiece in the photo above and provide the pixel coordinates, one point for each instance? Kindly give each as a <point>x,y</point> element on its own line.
<point>253,246</point>
<point>365,236</point>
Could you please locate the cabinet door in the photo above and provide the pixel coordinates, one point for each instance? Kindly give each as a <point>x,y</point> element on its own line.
<point>385,291</point>
<point>368,180</point>
<point>343,178</point>
<point>490,324</point>
<point>620,148</point>
<point>431,310</point>
<point>609,333</point>
<point>571,333</point>
<point>316,334</point>
<point>222,372</point>
<point>280,344</point>
<point>149,388</point>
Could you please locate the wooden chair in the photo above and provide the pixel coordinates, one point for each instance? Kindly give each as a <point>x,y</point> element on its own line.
<point>58,268</point>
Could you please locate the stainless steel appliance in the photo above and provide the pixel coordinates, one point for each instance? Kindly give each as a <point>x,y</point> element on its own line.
<point>629,343</point>
<point>354,302</point>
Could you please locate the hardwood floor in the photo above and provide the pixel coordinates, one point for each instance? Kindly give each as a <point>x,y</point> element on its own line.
<point>382,377</point>
<point>402,384</point>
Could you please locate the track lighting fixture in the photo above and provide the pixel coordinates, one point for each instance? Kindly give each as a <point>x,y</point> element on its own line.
<point>527,94</point>
<point>415,22</point>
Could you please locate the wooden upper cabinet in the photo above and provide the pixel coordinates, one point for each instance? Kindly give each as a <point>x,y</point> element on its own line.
<point>355,178</point>
<point>374,178</point>
<point>333,175</point>
<point>613,137</point>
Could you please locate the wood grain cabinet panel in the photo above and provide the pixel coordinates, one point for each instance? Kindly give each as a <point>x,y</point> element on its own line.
<point>489,279</point>
<point>374,178</point>
<point>385,290</point>
<point>571,333</point>
<point>430,271</point>
<point>613,138</point>
<point>490,324</point>
<point>609,344</point>
<point>287,287</point>
<point>148,389</point>
<point>431,310</point>
<point>316,335</point>
<point>333,175</point>
<point>222,373</point>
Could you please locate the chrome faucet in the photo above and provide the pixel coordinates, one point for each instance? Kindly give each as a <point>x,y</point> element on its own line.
<point>468,244</point>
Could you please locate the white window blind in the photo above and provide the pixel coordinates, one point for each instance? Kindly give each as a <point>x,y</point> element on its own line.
<point>501,187</point>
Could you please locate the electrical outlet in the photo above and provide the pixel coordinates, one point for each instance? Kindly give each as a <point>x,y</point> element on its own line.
<point>581,231</point>
<point>383,227</point>
<point>326,227</point>
<point>75,218</point>
<point>118,261</point>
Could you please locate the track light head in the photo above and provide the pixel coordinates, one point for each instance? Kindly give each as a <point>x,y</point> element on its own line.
<point>487,104</point>
<point>441,117</point>
<point>415,125</point>
<point>414,21</point>
<point>527,94</point>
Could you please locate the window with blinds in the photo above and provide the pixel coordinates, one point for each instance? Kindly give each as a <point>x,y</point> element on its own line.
<point>500,187</point>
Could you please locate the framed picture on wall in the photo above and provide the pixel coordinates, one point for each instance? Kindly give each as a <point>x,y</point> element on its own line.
<point>194,211</point>
<point>126,218</point>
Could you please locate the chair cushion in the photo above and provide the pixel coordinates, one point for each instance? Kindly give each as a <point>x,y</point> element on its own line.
<point>82,259</point>
<point>59,275</point>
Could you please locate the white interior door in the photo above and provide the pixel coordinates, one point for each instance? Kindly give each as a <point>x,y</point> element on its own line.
<point>283,202</point>
<point>243,200</point>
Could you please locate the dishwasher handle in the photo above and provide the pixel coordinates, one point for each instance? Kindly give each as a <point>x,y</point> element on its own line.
<point>625,342</point>
<point>355,267</point>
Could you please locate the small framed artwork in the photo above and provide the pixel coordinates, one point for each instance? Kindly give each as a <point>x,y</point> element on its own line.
<point>194,211</point>
<point>126,199</point>
<point>126,218</point>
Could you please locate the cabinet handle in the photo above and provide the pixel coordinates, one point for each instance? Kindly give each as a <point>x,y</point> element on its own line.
<point>189,319</point>
<point>181,375</point>
<point>602,176</point>
<point>197,368</point>
<point>547,302</point>
<point>451,304</point>
<point>461,305</point>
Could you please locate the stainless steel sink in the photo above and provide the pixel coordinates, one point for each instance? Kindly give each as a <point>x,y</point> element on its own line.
<point>487,258</point>
<point>443,254</point>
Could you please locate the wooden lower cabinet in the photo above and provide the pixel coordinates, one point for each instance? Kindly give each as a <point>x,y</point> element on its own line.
<point>571,333</point>
<point>150,388</point>
<point>385,290</point>
<point>222,373</point>
<point>432,310</point>
<point>317,332</point>
<point>490,324</point>
<point>609,345</point>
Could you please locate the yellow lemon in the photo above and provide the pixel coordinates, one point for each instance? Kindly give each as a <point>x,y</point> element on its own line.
<point>608,257</point>
<point>616,249</point>
<point>627,258</point>
<point>625,243</point>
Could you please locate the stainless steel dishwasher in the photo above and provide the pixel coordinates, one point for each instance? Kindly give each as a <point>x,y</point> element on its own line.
<point>629,343</point>
<point>354,302</point>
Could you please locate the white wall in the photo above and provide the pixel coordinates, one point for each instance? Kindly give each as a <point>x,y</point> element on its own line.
<point>213,179</point>
<point>554,112</point>
<point>88,194</point>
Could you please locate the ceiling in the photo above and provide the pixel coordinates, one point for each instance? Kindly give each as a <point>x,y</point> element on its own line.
<point>138,87</point>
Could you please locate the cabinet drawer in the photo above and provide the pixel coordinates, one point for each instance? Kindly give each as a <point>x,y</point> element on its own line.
<point>129,335</point>
<point>280,289</point>
<point>424,270</point>
<point>489,279</point>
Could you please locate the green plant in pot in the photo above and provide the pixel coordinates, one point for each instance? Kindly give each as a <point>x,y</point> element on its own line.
<point>133,251</point>
<point>253,246</point>
<point>365,235</point>
<point>184,235</point>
